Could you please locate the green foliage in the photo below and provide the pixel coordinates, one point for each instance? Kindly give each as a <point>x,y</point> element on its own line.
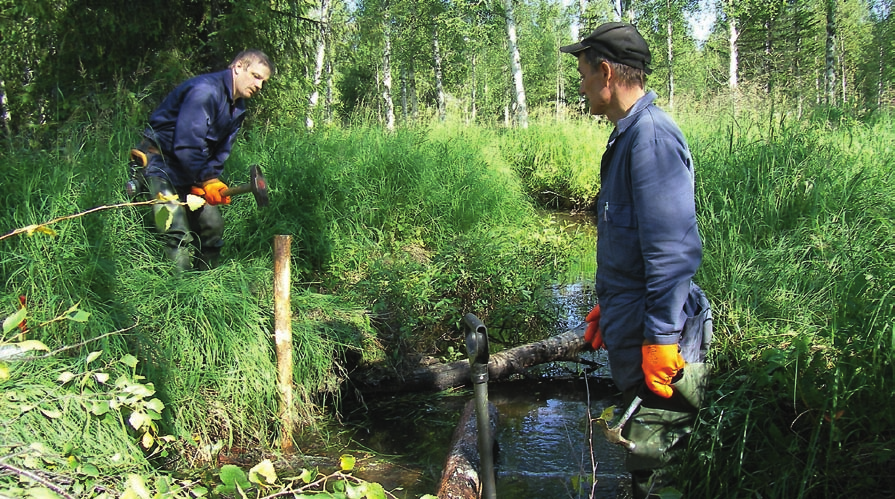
<point>796,220</point>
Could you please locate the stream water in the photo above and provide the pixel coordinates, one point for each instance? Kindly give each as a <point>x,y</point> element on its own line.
<point>542,432</point>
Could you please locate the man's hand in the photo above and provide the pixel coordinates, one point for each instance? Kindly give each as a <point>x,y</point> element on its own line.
<point>211,191</point>
<point>592,333</point>
<point>661,364</point>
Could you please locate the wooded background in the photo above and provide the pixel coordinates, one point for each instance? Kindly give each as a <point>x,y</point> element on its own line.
<point>402,61</point>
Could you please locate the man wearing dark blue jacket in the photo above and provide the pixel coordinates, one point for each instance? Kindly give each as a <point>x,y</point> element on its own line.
<point>188,139</point>
<point>651,318</point>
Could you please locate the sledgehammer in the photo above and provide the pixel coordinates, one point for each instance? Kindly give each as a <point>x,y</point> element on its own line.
<point>257,185</point>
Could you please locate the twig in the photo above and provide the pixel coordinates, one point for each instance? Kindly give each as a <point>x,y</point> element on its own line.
<point>31,228</point>
<point>78,345</point>
<point>37,478</point>
<point>320,482</point>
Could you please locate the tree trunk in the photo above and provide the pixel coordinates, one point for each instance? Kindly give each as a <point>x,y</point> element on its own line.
<point>460,476</point>
<point>439,84</point>
<point>387,71</point>
<point>318,63</point>
<point>414,101</point>
<point>734,54</point>
<point>516,67</point>
<point>830,59</point>
<point>436,377</point>
<point>4,108</point>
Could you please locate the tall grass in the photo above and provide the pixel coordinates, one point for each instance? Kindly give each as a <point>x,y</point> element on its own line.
<point>797,224</point>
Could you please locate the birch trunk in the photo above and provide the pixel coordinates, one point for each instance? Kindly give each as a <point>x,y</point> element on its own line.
<point>472,96</point>
<point>830,55</point>
<point>318,63</point>
<point>414,101</point>
<point>439,84</point>
<point>4,108</point>
<point>733,35</point>
<point>516,67</point>
<point>387,72</point>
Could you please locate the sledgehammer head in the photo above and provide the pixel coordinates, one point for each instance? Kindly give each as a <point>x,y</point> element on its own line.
<point>257,185</point>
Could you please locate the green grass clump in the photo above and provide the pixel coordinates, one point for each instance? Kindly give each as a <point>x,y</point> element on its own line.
<point>797,224</point>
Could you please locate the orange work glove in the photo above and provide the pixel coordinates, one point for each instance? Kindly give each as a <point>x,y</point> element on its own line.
<point>592,333</point>
<point>661,364</point>
<point>211,191</point>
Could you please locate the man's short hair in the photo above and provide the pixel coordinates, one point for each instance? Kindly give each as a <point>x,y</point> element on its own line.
<point>254,55</point>
<point>627,76</point>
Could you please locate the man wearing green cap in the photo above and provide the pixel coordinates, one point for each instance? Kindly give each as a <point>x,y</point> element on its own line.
<point>654,322</point>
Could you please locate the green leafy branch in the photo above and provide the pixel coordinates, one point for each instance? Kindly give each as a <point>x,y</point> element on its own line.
<point>164,216</point>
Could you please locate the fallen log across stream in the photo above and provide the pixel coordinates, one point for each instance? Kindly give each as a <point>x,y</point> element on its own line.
<point>436,377</point>
<point>460,477</point>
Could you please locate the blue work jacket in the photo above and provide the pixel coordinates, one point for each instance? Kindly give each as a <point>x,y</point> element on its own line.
<point>648,244</point>
<point>194,128</point>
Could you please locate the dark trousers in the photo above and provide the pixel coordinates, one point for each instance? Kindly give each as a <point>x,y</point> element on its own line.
<point>185,231</point>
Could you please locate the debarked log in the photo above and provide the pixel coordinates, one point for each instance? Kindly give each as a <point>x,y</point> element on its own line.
<point>460,476</point>
<point>436,377</point>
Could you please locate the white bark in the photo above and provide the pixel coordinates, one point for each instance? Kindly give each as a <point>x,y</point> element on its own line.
<point>318,63</point>
<point>387,74</point>
<point>733,35</point>
<point>439,84</point>
<point>516,67</point>
<point>4,108</point>
<point>830,62</point>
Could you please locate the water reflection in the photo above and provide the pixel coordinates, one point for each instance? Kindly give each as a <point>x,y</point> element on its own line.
<point>542,436</point>
<point>544,447</point>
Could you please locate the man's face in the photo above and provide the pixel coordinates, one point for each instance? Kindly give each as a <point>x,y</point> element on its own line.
<point>248,78</point>
<point>593,86</point>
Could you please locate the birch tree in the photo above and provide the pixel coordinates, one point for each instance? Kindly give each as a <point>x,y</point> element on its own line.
<point>521,108</point>
<point>319,58</point>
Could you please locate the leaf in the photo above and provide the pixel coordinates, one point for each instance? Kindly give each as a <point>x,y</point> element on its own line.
<point>147,440</point>
<point>346,462</point>
<point>89,470</point>
<point>100,407</point>
<point>263,473</point>
<point>4,371</point>
<point>231,474</point>
<point>27,346</point>
<point>155,405</point>
<point>608,413</point>
<point>101,377</point>
<point>13,320</point>
<point>194,202</point>
<point>51,413</point>
<point>93,356</point>
<point>42,493</point>
<point>306,475</point>
<point>73,314</point>
<point>138,486</point>
<point>65,377</point>
<point>40,229</point>
<point>163,218</point>
<point>355,491</point>
<point>129,360</point>
<point>137,420</point>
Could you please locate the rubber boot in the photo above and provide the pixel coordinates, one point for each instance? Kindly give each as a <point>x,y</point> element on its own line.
<point>208,260</point>
<point>181,258</point>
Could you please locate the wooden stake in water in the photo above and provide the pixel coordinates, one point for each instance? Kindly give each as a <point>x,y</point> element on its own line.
<point>283,335</point>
